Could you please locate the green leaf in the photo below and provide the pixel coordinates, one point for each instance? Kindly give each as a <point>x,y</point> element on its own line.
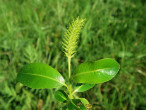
<point>38,76</point>
<point>83,87</point>
<point>60,96</point>
<point>76,104</point>
<point>96,72</point>
<point>84,101</point>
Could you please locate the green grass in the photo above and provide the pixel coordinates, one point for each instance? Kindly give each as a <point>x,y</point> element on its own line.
<point>32,31</point>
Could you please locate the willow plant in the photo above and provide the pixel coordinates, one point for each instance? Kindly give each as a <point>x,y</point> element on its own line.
<point>85,76</point>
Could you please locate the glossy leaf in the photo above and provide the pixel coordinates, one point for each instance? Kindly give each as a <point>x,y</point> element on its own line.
<point>60,96</point>
<point>96,72</point>
<point>76,104</point>
<point>38,75</point>
<point>83,87</point>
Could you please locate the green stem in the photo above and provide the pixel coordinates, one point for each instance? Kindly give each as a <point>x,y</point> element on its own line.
<point>69,74</point>
<point>69,67</point>
<point>70,91</point>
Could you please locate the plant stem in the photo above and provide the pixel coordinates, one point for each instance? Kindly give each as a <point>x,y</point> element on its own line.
<point>69,67</point>
<point>69,74</point>
<point>70,91</point>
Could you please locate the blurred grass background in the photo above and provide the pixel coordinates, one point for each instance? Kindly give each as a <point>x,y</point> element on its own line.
<point>32,31</point>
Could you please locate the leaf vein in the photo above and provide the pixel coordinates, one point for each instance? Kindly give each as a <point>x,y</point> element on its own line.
<point>46,77</point>
<point>81,73</point>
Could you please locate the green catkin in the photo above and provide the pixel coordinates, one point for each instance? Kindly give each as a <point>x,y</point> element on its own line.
<point>71,37</point>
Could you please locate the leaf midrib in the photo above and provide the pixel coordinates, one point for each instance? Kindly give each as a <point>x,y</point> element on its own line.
<point>89,72</point>
<point>62,96</point>
<point>45,77</point>
<point>74,104</point>
<point>76,90</point>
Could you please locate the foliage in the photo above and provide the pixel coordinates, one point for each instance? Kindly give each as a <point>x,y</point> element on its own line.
<point>40,76</point>
<point>96,72</point>
<point>31,31</point>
